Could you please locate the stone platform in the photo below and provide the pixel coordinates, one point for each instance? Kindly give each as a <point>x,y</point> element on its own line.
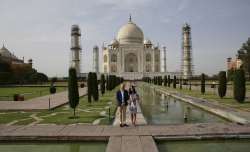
<point>129,139</point>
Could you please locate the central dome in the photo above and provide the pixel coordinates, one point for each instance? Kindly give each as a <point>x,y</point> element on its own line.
<point>130,33</point>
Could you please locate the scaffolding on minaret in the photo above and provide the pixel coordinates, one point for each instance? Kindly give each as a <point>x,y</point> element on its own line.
<point>76,48</point>
<point>187,69</point>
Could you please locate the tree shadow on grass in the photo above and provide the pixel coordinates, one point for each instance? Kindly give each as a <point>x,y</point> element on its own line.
<point>74,117</point>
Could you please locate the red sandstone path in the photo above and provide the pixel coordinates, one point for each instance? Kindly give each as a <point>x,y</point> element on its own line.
<point>39,103</point>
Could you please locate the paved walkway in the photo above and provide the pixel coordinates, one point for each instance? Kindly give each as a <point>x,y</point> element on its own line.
<point>103,132</point>
<point>232,114</point>
<point>140,120</point>
<point>131,143</point>
<point>39,103</point>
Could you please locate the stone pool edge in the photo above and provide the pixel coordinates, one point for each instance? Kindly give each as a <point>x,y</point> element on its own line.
<point>218,112</point>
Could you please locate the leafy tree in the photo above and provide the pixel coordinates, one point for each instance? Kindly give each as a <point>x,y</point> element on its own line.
<point>102,84</point>
<point>239,85</point>
<point>73,93</point>
<point>222,84</point>
<point>202,83</point>
<point>244,55</point>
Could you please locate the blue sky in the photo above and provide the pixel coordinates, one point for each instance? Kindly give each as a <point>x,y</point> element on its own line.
<point>40,29</point>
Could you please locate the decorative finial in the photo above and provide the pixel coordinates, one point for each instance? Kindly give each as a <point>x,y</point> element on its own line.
<point>130,18</point>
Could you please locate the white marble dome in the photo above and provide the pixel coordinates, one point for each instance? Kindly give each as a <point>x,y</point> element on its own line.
<point>130,33</point>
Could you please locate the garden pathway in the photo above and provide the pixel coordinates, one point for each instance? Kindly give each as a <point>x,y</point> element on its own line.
<point>39,103</point>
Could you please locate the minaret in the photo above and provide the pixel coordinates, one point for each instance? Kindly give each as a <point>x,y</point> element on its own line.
<point>75,48</point>
<point>186,67</point>
<point>164,59</point>
<point>96,59</point>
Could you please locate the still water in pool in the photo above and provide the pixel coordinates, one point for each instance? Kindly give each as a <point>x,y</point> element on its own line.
<point>160,109</point>
<point>205,146</point>
<point>54,147</point>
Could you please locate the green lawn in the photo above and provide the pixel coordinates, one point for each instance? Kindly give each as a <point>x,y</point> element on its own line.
<point>211,96</point>
<point>6,94</point>
<point>86,112</point>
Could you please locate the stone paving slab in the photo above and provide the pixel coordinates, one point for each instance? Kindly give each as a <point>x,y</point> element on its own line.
<point>114,144</point>
<point>39,103</point>
<point>83,131</point>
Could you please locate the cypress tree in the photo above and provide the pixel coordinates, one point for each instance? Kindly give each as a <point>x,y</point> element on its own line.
<point>165,80</point>
<point>90,85</point>
<point>180,81</point>
<point>222,84</point>
<point>73,94</point>
<point>102,84</point>
<point>107,82</point>
<point>95,91</point>
<point>202,83</point>
<point>190,85</point>
<point>239,85</point>
<point>174,82</point>
<point>169,81</point>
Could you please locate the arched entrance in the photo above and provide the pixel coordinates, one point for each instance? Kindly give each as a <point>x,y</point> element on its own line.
<point>131,63</point>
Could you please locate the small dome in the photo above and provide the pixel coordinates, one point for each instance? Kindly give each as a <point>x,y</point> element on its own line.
<point>6,53</point>
<point>130,33</point>
<point>147,42</point>
<point>114,42</point>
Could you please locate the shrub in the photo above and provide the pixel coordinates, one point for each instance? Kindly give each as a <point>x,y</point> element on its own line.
<point>52,89</point>
<point>222,84</point>
<point>202,83</point>
<point>15,97</point>
<point>73,93</point>
<point>239,85</point>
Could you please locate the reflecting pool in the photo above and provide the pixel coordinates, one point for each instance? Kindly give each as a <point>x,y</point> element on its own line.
<point>205,146</point>
<point>54,147</point>
<point>160,109</point>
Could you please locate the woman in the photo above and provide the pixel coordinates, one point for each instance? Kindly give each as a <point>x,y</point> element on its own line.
<point>133,105</point>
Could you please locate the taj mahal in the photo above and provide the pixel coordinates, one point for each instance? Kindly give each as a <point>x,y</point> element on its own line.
<point>130,55</point>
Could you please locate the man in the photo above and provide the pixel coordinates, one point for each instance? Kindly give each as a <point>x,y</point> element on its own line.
<point>122,98</point>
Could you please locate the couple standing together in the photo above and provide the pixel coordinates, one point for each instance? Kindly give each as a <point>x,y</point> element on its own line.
<point>124,98</point>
